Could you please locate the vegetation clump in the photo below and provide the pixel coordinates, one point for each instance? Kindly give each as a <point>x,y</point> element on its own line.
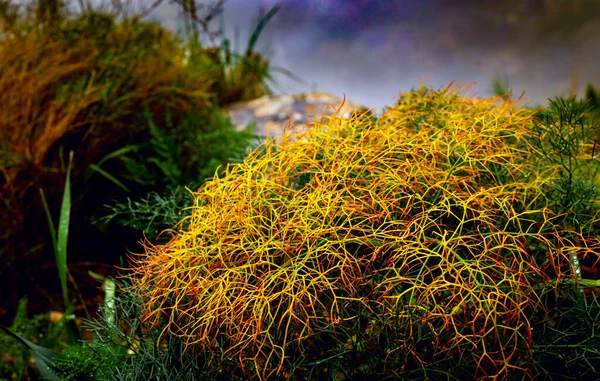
<point>116,91</point>
<point>410,246</point>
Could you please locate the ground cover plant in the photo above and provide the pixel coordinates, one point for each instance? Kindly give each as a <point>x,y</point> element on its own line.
<point>422,246</point>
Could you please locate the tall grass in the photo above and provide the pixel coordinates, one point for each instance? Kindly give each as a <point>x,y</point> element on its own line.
<point>116,91</point>
<point>77,93</point>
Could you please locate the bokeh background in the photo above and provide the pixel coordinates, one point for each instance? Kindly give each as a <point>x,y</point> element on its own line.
<point>373,49</point>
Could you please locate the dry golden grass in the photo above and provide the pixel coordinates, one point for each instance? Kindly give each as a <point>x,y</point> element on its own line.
<point>82,90</point>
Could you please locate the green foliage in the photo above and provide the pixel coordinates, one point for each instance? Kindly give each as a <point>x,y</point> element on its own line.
<point>85,361</point>
<point>78,361</point>
<point>565,135</point>
<point>592,95</point>
<point>501,86</point>
<point>239,76</point>
<point>15,356</point>
<point>174,158</point>
<point>565,139</point>
<point>151,214</point>
<point>187,153</point>
<point>566,346</point>
<point>91,25</point>
<point>137,351</point>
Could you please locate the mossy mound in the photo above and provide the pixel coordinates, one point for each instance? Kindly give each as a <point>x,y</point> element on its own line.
<point>415,246</point>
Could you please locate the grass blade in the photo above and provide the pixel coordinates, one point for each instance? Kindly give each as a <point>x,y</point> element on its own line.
<point>259,28</point>
<point>109,296</point>
<point>42,356</point>
<point>120,152</point>
<point>63,232</point>
<point>109,177</point>
<point>50,222</point>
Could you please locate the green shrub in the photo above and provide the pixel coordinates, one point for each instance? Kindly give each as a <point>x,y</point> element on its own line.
<point>565,139</point>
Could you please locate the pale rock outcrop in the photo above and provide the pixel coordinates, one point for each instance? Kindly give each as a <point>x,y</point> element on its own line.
<point>272,114</point>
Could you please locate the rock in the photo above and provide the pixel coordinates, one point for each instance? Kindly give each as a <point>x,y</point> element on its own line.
<point>272,114</point>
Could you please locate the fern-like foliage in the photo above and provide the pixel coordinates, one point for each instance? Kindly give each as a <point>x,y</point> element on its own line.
<point>151,214</point>
<point>137,352</point>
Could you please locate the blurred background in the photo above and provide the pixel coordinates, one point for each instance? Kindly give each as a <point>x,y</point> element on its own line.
<point>373,49</point>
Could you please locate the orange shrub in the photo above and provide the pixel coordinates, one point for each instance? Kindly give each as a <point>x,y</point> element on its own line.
<point>409,246</point>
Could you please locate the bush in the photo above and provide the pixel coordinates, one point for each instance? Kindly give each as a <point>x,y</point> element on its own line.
<point>418,247</point>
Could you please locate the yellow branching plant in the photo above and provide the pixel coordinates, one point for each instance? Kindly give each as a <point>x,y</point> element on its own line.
<point>412,239</point>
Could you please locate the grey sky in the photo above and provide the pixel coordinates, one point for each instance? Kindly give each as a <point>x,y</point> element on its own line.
<point>371,50</point>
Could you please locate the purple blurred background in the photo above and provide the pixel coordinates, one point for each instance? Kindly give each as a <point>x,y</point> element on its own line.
<point>373,49</point>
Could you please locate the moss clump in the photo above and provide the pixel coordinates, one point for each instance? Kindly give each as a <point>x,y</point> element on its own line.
<point>404,247</point>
